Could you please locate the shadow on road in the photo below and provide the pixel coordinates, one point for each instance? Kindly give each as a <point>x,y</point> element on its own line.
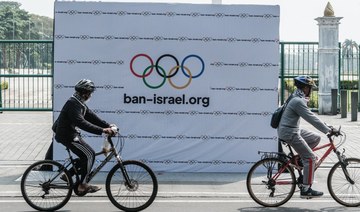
<point>287,209</point>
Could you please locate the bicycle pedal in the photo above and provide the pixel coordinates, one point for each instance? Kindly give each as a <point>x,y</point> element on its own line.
<point>305,197</point>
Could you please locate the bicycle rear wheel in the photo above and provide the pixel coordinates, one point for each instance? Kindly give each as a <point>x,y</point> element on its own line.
<point>270,183</point>
<point>42,187</point>
<point>137,196</point>
<point>344,192</point>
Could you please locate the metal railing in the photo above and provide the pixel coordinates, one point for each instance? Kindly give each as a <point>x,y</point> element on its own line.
<point>297,58</point>
<point>26,75</point>
<point>26,72</point>
<point>350,71</point>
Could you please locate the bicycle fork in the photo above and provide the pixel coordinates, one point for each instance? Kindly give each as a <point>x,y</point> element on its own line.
<point>343,165</point>
<point>128,182</point>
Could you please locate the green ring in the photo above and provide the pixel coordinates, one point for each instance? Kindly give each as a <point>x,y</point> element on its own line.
<point>164,77</point>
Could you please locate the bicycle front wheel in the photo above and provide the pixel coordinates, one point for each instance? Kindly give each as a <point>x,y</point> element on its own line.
<point>42,187</point>
<point>270,182</point>
<point>142,189</point>
<point>345,191</point>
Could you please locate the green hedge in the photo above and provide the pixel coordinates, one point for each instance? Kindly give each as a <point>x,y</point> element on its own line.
<point>349,84</point>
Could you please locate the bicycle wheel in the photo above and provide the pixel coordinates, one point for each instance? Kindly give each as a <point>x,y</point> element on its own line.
<point>270,183</point>
<point>42,187</point>
<point>344,192</point>
<point>137,196</point>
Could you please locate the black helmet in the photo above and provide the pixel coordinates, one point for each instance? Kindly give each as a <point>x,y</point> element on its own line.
<point>85,86</point>
<point>302,81</point>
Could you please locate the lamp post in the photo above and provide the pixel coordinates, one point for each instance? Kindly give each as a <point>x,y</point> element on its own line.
<point>13,25</point>
<point>29,30</point>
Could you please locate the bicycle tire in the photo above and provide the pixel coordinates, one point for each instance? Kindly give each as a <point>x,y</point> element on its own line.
<point>38,193</point>
<point>268,192</point>
<point>141,195</point>
<point>341,190</point>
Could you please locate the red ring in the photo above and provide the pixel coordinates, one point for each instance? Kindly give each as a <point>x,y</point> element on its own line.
<point>131,65</point>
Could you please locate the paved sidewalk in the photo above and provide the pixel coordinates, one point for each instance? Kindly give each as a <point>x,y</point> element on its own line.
<point>26,136</point>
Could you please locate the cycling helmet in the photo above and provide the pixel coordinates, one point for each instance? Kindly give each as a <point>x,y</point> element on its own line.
<point>85,86</point>
<point>302,81</point>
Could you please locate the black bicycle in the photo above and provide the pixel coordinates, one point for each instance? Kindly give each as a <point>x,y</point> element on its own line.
<point>130,185</point>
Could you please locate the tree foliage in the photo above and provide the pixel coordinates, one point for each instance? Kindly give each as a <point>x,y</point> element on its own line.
<point>18,24</point>
<point>349,48</point>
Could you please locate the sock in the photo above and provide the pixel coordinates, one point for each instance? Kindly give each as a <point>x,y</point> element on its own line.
<point>305,187</point>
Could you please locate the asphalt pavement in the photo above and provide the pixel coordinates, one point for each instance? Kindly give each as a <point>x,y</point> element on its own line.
<point>26,136</point>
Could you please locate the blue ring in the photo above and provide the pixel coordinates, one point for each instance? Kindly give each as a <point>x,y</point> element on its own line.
<point>187,57</point>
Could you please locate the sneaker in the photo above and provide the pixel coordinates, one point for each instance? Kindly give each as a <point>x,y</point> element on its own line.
<point>93,189</point>
<point>85,188</point>
<point>310,194</point>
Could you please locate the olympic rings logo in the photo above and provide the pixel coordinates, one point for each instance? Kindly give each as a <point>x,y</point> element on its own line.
<point>147,70</point>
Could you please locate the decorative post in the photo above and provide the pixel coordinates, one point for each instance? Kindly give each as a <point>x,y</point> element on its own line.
<point>328,57</point>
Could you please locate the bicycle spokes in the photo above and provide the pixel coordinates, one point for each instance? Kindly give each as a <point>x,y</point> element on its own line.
<point>42,187</point>
<point>270,182</point>
<point>344,182</point>
<point>136,192</point>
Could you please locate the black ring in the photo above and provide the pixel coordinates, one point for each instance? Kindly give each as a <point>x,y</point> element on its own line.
<point>157,63</point>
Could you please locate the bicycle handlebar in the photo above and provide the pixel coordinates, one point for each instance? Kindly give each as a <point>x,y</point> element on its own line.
<point>115,130</point>
<point>334,132</point>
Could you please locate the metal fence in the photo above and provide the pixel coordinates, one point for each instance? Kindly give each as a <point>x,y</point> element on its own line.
<point>300,58</point>
<point>349,75</point>
<point>297,58</point>
<point>26,72</point>
<point>26,75</point>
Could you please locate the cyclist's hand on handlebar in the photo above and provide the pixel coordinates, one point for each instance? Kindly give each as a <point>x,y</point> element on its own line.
<point>114,128</point>
<point>335,132</point>
<point>108,131</point>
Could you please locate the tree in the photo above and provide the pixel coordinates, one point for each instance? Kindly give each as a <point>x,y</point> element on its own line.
<point>13,21</point>
<point>349,47</point>
<point>350,63</point>
<point>18,24</point>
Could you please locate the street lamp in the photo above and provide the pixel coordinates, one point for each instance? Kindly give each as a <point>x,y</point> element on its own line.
<point>29,30</point>
<point>13,25</point>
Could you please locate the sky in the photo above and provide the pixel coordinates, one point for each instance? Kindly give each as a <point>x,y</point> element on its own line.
<point>297,17</point>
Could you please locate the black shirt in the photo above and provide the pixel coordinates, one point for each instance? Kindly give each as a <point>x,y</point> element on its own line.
<point>76,114</point>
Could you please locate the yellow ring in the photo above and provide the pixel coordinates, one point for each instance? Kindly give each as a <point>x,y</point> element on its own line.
<point>180,87</point>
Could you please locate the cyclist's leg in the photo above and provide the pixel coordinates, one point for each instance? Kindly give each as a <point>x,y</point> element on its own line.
<point>86,158</point>
<point>308,158</point>
<point>311,138</point>
<point>77,167</point>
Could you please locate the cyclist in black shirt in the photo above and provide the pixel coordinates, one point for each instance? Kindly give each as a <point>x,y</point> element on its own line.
<point>75,115</point>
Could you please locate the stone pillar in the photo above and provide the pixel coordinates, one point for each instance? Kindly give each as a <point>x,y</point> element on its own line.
<point>328,57</point>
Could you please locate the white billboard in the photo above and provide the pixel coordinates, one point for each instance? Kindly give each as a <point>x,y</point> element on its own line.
<point>192,87</point>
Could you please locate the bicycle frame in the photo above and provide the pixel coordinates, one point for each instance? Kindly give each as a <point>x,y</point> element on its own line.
<point>113,153</point>
<point>327,153</point>
<point>131,185</point>
<point>331,147</point>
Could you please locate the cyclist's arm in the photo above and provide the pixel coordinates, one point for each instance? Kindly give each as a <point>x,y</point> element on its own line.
<point>94,119</point>
<point>75,114</point>
<point>304,112</point>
